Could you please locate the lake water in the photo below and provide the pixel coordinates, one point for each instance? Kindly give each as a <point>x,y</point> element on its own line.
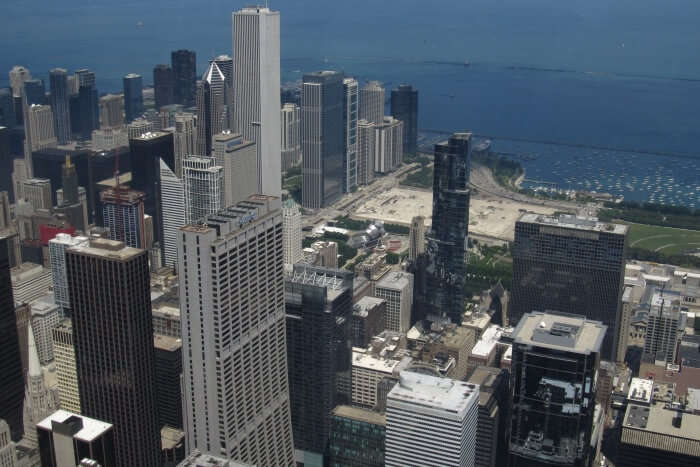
<point>623,74</point>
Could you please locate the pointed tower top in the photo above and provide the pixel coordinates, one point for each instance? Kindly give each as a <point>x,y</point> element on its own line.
<point>68,162</point>
<point>34,364</point>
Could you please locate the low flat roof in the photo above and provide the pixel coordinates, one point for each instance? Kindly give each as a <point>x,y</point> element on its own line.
<point>362,359</point>
<point>168,343</point>
<point>570,333</point>
<point>658,419</point>
<point>91,430</point>
<point>434,392</point>
<point>591,224</point>
<point>363,415</point>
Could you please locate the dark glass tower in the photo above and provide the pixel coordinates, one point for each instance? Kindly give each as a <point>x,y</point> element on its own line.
<point>12,382</point>
<point>164,85</point>
<point>133,96</point>
<point>573,265</point>
<point>404,107</point>
<point>446,266</point>
<point>211,108</point>
<point>168,367</point>
<point>35,91</point>
<point>60,104</point>
<point>7,108</point>
<point>184,64</point>
<point>6,163</point>
<point>109,286</point>
<point>318,303</point>
<point>88,103</point>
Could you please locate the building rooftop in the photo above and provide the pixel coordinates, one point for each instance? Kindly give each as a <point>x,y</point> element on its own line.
<point>434,392</point>
<point>91,430</point>
<point>567,221</point>
<point>362,359</point>
<point>395,280</point>
<point>104,247</point>
<point>362,415</point>
<point>641,391</point>
<point>488,341</point>
<point>167,343</point>
<point>365,305</point>
<point>559,331</point>
<point>44,305</point>
<point>150,135</point>
<point>679,432</point>
<point>170,437</point>
<point>197,459</point>
<point>232,219</point>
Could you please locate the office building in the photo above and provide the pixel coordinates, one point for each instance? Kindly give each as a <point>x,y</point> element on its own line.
<point>290,117</point>
<point>88,103</point>
<point>46,315</point>
<point>357,439</point>
<point>109,285</point>
<point>163,85</point>
<point>573,265</point>
<point>404,107</point>
<point>368,320</point>
<point>397,289</point>
<point>322,138</point>
<point>168,366</point>
<point>60,104</point>
<point>57,258</point>
<point>211,108</point>
<point>555,374</point>
<point>29,282</point>
<point>8,116</point>
<point>172,192</point>
<point>431,421</point>
<point>8,454</point>
<point>40,127</point>
<point>372,102</point>
<point>233,262</point>
<point>494,403</point>
<point>238,158</point>
<point>416,238</point>
<point>64,360</point>
<point>225,64</point>
<point>37,192</point>
<point>388,140</point>
<point>12,382</point>
<point>256,83</point>
<point>111,111</point>
<point>318,303</point>
<point>67,439</point>
<point>34,92</point>
<point>366,149</point>
<point>291,232</point>
<point>369,369</point>
<point>666,324</point>
<point>123,214</point>
<point>184,64</point>
<point>71,200</point>
<point>39,402</point>
<point>445,273</point>
<point>203,184</point>
<point>18,75</point>
<point>350,118</point>
<point>185,139</point>
<point>133,96</point>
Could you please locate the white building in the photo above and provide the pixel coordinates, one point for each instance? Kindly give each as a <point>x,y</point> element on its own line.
<point>112,111</point>
<point>388,140</point>
<point>46,315</point>
<point>37,191</point>
<point>203,183</point>
<point>367,371</point>
<point>366,148</point>
<point>372,96</point>
<point>235,388</point>
<point>666,324</point>
<point>106,139</point>
<point>172,192</point>
<point>8,454</point>
<point>256,84</point>
<point>290,117</point>
<point>397,289</point>
<point>57,258</point>
<point>64,360</point>
<point>29,282</point>
<point>291,232</point>
<point>184,139</point>
<point>41,126</point>
<point>350,118</point>
<point>238,157</point>
<point>431,421</point>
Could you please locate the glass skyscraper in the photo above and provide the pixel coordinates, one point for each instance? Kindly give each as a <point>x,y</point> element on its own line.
<point>133,97</point>
<point>184,63</point>
<point>60,104</point>
<point>404,107</point>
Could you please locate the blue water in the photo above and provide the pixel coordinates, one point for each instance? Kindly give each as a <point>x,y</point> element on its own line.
<point>627,72</point>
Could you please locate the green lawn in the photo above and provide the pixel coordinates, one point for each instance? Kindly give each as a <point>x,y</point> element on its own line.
<point>666,240</point>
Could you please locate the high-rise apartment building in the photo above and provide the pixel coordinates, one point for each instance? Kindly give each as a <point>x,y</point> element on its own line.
<point>88,103</point>
<point>239,160</point>
<point>573,265</point>
<point>211,108</point>
<point>416,238</point>
<point>184,63</point>
<point>256,83</point>
<point>372,97</point>
<point>322,138</point>
<point>12,381</point>
<point>123,214</point>
<point>67,439</point>
<point>366,141</point>
<point>172,192</point>
<point>57,259</point>
<point>318,303</point>
<point>388,152</point>
<point>110,292</point>
<point>64,360</point>
<point>236,396</point>
<point>350,118</point>
<point>40,125</point>
<point>203,183</point>
<point>291,135</point>
<point>397,289</point>
<point>431,420</point>
<point>445,273</point>
<point>185,139</point>
<point>60,104</point>
<point>163,85</point>
<point>133,96</point>
<point>554,366</point>
<point>291,233</point>
<point>666,324</point>
<point>111,113</point>
<point>404,107</point>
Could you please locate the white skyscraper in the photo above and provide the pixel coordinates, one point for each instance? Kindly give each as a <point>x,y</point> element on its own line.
<point>372,97</point>
<point>291,232</point>
<point>212,108</point>
<point>172,192</point>
<point>203,182</point>
<point>184,139</point>
<point>291,135</point>
<point>366,138</point>
<point>256,84</point>
<point>40,125</point>
<point>431,421</point>
<point>57,258</point>
<point>236,394</point>
<point>239,159</point>
<point>388,140</point>
<point>350,118</point>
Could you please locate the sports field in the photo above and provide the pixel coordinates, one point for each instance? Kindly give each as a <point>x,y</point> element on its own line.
<point>666,240</point>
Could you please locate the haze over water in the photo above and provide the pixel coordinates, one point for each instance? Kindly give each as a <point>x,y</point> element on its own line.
<point>615,74</point>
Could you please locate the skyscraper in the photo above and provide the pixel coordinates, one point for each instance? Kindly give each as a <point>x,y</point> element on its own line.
<point>60,104</point>
<point>447,241</point>
<point>573,265</point>
<point>372,96</point>
<point>64,360</point>
<point>203,182</point>
<point>350,117</point>
<point>35,91</point>
<point>133,96</point>
<point>12,381</point>
<point>18,75</point>
<point>8,453</point>
<point>164,85</point>
<point>236,405</point>
<point>322,138</point>
<point>416,238</point>
<point>404,107</point>
<point>388,152</point>
<point>123,214</point>
<point>225,64</point>
<point>39,127</point>
<point>57,259</point>
<point>109,286</point>
<point>88,103</point>
<point>554,367</point>
<point>397,289</point>
<point>366,139</point>
<point>38,401</point>
<point>211,108</point>
<point>71,204</point>
<point>238,158</point>
<point>8,116</point>
<point>168,366</point>
<point>184,64</point>
<point>172,192</point>
<point>256,83</point>
<point>185,139</point>
<point>291,135</point>
<point>291,232</point>
<point>66,439</point>
<point>111,115</point>
<point>431,420</point>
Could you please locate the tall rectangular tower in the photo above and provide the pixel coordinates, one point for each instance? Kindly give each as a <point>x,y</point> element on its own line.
<point>110,293</point>
<point>573,265</point>
<point>291,135</point>
<point>123,214</point>
<point>238,158</point>
<point>172,192</point>
<point>203,183</point>
<point>350,118</point>
<point>133,96</point>
<point>184,63</point>
<point>236,395</point>
<point>256,89</point>
<point>60,104</point>
<point>404,107</point>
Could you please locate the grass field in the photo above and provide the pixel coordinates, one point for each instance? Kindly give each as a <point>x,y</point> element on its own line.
<point>666,240</point>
